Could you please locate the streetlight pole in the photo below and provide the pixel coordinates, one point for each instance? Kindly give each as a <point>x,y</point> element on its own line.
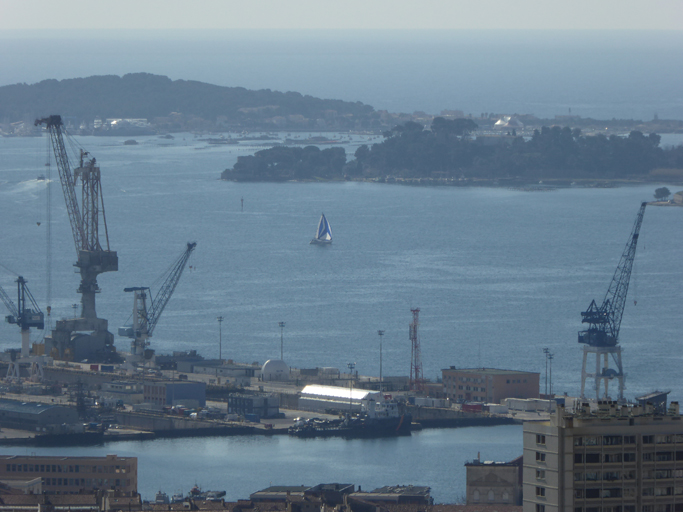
<point>550,358</point>
<point>381,333</point>
<point>75,306</point>
<point>282,337</point>
<point>220,339</point>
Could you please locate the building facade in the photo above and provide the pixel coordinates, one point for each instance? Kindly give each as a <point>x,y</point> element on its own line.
<point>494,483</point>
<point>187,393</point>
<point>488,384</point>
<point>73,475</point>
<point>616,459</point>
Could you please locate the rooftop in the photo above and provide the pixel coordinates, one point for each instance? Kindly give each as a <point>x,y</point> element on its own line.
<point>490,371</point>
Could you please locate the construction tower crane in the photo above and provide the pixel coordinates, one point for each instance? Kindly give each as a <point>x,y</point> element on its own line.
<point>604,321</point>
<point>24,317</point>
<point>86,337</point>
<point>144,319</point>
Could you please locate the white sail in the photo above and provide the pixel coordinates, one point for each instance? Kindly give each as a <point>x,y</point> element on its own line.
<point>323,234</point>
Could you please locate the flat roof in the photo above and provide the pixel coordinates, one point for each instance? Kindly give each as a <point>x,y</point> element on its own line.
<point>337,392</point>
<point>26,407</point>
<point>489,371</point>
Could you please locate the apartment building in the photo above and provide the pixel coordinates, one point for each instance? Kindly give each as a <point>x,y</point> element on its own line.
<point>614,459</point>
<point>72,475</point>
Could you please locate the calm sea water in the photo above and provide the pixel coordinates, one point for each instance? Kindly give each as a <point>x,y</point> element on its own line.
<point>599,74</point>
<point>243,465</point>
<point>498,274</point>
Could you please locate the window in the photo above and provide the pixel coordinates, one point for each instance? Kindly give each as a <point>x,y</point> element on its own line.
<point>578,458</point>
<point>629,439</point>
<point>578,441</point>
<point>611,440</point>
<point>540,508</point>
<point>612,457</point>
<point>491,496</point>
<point>506,496</point>
<point>540,439</point>
<point>475,495</point>
<point>648,439</point>
<point>540,491</point>
<point>648,491</point>
<point>629,457</point>
<point>578,477</point>
<point>578,493</point>
<point>592,458</point>
<point>663,439</point>
<point>540,474</point>
<point>664,456</point>
<point>540,456</point>
<point>592,493</point>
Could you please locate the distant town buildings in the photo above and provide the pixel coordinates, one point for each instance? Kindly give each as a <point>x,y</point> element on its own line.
<point>616,459</point>
<point>489,384</point>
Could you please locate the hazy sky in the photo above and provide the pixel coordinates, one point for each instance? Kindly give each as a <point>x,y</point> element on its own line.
<point>345,14</point>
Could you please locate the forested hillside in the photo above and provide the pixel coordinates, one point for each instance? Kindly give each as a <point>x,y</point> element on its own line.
<point>143,95</point>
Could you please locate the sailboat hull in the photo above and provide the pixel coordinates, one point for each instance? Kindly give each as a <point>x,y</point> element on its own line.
<point>317,241</point>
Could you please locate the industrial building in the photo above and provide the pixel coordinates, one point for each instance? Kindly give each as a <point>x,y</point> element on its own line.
<point>265,406</point>
<point>616,459</point>
<point>188,393</point>
<point>73,475</point>
<point>38,417</point>
<point>494,483</point>
<point>322,398</point>
<point>488,384</point>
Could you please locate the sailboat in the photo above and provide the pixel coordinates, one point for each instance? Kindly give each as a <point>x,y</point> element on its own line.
<point>323,236</point>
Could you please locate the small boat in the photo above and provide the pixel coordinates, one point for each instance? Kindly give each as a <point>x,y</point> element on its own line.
<point>323,235</point>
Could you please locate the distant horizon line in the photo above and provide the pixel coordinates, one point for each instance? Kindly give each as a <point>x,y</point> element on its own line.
<point>66,32</point>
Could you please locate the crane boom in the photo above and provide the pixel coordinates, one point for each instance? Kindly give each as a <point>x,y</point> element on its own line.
<point>11,306</point>
<point>167,289</point>
<point>604,321</point>
<point>66,178</point>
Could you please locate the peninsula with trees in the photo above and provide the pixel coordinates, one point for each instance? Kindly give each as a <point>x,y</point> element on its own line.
<point>447,152</point>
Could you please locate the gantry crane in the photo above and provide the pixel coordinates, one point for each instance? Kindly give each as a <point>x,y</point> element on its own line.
<point>25,317</point>
<point>86,337</point>
<point>145,320</point>
<point>604,321</point>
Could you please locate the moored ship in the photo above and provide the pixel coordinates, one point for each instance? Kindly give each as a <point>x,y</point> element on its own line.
<point>377,419</point>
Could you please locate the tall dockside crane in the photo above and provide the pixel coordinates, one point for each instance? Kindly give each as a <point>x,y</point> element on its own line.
<point>602,336</point>
<point>145,320</point>
<point>25,317</point>
<point>86,337</point>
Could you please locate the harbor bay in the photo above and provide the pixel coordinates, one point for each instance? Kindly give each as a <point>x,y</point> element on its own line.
<point>243,465</point>
<point>498,274</point>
